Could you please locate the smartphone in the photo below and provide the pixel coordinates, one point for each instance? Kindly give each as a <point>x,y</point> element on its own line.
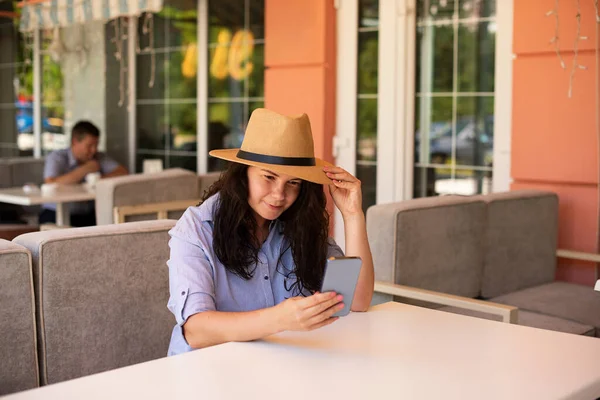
<point>341,276</point>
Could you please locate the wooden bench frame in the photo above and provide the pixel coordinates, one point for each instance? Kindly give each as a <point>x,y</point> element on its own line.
<point>160,209</point>
<point>508,313</point>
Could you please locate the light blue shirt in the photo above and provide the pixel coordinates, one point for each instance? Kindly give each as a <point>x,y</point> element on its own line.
<point>63,161</point>
<point>199,282</point>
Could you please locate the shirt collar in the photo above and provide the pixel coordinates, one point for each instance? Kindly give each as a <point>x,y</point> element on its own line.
<point>72,160</point>
<point>276,224</point>
<point>208,207</point>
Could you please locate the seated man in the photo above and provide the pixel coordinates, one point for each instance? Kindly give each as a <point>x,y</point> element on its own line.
<point>70,166</point>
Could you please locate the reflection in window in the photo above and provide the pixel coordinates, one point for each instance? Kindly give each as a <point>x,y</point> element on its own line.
<point>236,71</point>
<point>454,107</point>
<point>366,106</point>
<point>166,85</point>
<point>167,108</point>
<point>53,108</point>
<point>16,89</point>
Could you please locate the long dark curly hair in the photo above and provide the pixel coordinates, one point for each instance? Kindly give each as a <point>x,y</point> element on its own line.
<point>306,227</point>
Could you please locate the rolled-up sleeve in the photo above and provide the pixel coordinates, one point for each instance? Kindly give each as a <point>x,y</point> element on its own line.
<point>107,164</point>
<point>333,250</point>
<point>191,275</point>
<point>54,166</point>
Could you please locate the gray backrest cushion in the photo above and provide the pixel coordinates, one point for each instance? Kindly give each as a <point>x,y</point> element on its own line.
<point>27,170</point>
<point>431,243</point>
<point>520,241</point>
<point>18,353</point>
<point>21,170</point>
<point>168,185</point>
<point>101,296</point>
<point>5,174</point>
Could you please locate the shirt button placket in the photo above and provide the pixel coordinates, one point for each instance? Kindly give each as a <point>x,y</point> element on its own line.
<point>268,291</point>
<point>265,266</point>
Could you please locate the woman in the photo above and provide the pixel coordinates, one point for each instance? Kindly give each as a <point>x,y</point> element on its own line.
<point>248,262</point>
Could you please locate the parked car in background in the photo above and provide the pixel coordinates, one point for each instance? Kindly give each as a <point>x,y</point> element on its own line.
<point>474,144</point>
<point>53,137</point>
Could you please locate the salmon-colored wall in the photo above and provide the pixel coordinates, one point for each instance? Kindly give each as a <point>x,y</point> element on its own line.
<point>300,58</point>
<point>554,138</point>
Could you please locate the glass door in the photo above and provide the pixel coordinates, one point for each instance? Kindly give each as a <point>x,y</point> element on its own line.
<point>454,99</point>
<point>416,97</point>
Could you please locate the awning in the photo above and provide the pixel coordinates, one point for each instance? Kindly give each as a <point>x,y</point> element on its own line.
<point>60,13</point>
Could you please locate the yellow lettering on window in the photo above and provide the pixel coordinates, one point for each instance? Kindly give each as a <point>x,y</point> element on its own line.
<point>218,65</point>
<point>190,61</point>
<point>232,56</point>
<point>240,55</point>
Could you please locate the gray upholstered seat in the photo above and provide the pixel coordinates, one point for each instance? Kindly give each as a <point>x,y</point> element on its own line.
<point>5,174</point>
<point>520,262</point>
<point>500,247</point>
<point>27,170</point>
<point>21,170</point>
<point>559,299</point>
<point>520,241</point>
<point>101,295</point>
<point>430,243</point>
<point>533,320</point>
<point>18,356</point>
<point>16,172</point>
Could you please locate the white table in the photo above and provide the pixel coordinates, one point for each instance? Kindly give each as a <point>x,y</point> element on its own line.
<point>394,351</point>
<point>61,196</point>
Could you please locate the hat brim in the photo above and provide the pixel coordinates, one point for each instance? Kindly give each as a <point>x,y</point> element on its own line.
<point>313,174</point>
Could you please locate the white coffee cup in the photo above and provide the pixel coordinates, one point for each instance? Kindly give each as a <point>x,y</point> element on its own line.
<point>92,178</point>
<point>29,188</point>
<point>49,189</point>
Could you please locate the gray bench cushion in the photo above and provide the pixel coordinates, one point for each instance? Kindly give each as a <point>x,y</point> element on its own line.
<point>520,241</point>
<point>431,243</point>
<point>559,299</point>
<point>101,294</point>
<point>21,170</point>
<point>27,170</point>
<point>5,175</point>
<point>18,356</point>
<point>533,320</point>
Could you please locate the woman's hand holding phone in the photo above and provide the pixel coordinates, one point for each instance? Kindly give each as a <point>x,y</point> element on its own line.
<point>309,313</point>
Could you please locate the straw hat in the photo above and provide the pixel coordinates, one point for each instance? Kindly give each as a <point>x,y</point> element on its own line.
<point>280,144</point>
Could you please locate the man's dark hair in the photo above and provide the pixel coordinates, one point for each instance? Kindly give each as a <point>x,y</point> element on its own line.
<point>82,128</point>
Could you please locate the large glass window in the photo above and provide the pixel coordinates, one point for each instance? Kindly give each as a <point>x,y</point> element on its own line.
<point>16,89</point>
<point>166,86</point>
<point>167,110</point>
<point>454,105</point>
<point>236,71</point>
<point>53,108</point>
<point>366,107</point>
<point>16,92</point>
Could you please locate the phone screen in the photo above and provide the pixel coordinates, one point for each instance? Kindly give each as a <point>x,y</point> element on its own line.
<point>341,276</point>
